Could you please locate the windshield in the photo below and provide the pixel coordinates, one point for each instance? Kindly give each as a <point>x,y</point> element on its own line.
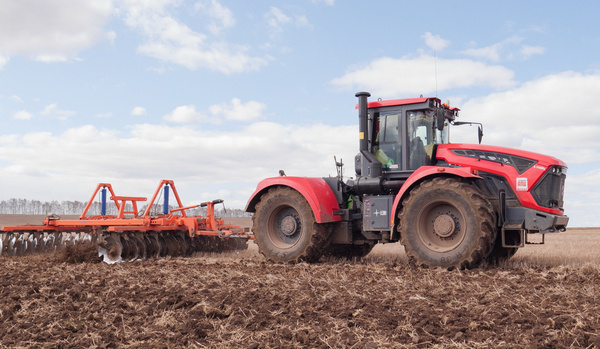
<point>423,134</point>
<point>422,124</point>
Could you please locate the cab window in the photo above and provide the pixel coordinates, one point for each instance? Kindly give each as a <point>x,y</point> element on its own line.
<point>386,144</point>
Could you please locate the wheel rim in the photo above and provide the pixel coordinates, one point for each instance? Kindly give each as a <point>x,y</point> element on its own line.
<point>284,227</point>
<point>441,226</point>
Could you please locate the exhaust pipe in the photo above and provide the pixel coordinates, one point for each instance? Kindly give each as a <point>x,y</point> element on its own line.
<point>362,120</point>
<point>368,168</point>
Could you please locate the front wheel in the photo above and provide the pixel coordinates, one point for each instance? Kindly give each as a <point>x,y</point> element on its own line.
<point>446,223</point>
<point>285,228</point>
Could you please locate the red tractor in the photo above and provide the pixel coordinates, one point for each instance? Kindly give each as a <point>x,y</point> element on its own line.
<point>449,205</point>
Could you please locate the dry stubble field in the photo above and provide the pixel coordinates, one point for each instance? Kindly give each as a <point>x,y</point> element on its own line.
<point>546,296</point>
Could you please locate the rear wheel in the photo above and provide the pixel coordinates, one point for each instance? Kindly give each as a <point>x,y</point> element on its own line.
<point>285,228</point>
<point>446,223</point>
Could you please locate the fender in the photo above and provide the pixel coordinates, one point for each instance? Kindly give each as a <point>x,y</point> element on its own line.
<point>425,172</point>
<point>316,191</point>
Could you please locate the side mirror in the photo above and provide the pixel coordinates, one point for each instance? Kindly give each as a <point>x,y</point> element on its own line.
<point>440,119</point>
<point>479,133</point>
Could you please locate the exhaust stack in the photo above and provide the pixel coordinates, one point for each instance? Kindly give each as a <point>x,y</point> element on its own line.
<point>362,120</point>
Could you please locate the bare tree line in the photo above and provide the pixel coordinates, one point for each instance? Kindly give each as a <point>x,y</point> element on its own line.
<point>36,207</point>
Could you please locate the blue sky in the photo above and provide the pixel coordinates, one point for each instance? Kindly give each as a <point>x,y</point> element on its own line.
<point>217,95</point>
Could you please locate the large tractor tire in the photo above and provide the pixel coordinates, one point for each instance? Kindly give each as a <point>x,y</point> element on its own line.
<point>446,223</point>
<point>285,228</point>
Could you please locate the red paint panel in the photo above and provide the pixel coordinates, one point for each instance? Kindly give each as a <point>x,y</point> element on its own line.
<point>317,193</point>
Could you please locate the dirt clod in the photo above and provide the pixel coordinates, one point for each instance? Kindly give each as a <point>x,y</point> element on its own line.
<point>81,252</point>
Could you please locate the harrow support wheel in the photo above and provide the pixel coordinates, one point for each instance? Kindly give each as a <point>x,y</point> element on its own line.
<point>446,223</point>
<point>285,229</point>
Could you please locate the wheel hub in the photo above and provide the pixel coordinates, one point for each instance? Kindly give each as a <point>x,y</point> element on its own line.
<point>444,226</point>
<point>289,225</point>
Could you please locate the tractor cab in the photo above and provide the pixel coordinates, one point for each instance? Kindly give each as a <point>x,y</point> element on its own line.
<point>401,135</point>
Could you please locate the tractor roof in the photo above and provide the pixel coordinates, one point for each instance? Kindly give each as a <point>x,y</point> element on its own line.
<point>392,102</point>
<point>405,101</point>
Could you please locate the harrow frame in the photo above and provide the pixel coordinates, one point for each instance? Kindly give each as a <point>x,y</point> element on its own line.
<point>173,231</point>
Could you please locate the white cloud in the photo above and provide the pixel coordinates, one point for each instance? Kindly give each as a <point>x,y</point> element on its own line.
<point>16,99</point>
<point>581,198</point>
<point>233,111</point>
<point>53,111</point>
<point>138,111</point>
<point>51,30</point>
<point>238,111</point>
<point>528,51</point>
<point>221,16</point>
<point>104,115</point>
<point>435,42</point>
<point>202,160</point>
<point>326,2</point>
<point>554,115</point>
<point>3,61</point>
<point>185,114</point>
<point>277,21</point>
<point>22,115</point>
<point>276,18</point>
<point>506,49</point>
<point>391,77</point>
<point>169,40</point>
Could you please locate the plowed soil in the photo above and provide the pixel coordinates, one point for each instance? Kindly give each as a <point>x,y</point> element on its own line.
<point>238,300</point>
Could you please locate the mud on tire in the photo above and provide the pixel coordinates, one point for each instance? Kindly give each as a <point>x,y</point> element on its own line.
<point>446,223</point>
<point>285,228</point>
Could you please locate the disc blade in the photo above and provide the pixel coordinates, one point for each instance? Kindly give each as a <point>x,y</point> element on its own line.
<point>162,246</point>
<point>111,250</point>
<point>141,248</point>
